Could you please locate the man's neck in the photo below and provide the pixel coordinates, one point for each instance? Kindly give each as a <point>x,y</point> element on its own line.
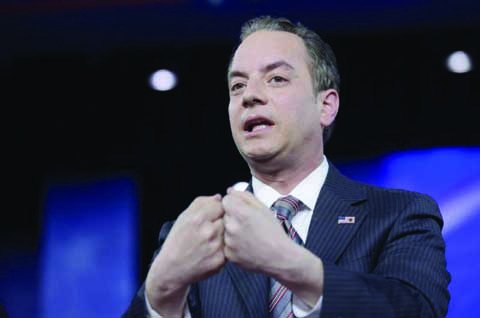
<point>284,180</point>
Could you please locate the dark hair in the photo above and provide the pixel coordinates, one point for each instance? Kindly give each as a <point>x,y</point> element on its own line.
<point>322,64</point>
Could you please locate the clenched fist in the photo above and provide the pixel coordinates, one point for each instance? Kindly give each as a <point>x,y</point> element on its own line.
<point>254,239</point>
<point>193,251</point>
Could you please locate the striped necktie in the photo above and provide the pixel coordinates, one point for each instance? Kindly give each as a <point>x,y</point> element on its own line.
<point>280,300</point>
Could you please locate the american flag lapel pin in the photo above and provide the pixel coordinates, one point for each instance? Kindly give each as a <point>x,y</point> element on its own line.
<point>346,220</point>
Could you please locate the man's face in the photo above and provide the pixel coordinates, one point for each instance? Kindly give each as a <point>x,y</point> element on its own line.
<point>273,110</point>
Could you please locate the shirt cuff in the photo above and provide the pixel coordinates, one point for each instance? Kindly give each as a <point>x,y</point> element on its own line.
<point>304,310</point>
<point>153,314</point>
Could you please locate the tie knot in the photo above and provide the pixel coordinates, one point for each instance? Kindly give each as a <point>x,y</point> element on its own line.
<point>286,207</point>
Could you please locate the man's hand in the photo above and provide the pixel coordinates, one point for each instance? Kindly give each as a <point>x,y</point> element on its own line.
<point>193,251</point>
<point>254,239</point>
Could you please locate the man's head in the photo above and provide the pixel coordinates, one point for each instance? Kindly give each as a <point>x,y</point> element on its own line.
<point>322,61</point>
<point>283,92</point>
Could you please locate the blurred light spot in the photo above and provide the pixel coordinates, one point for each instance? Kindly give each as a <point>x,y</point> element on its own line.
<point>459,62</point>
<point>163,80</point>
<point>215,2</point>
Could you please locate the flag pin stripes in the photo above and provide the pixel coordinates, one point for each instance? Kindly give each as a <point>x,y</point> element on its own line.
<point>346,220</point>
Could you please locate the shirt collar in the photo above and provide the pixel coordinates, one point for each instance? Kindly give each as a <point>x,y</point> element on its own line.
<point>306,191</point>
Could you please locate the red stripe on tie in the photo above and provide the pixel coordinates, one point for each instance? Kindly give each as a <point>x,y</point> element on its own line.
<point>280,303</point>
<point>279,289</point>
<point>272,306</point>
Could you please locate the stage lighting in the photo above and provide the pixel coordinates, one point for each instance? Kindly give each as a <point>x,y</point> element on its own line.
<point>215,2</point>
<point>459,62</point>
<point>163,80</point>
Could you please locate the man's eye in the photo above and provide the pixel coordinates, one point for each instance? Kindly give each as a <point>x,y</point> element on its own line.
<point>236,86</point>
<point>278,79</point>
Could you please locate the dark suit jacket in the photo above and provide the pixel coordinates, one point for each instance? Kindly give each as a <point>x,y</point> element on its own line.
<point>389,263</point>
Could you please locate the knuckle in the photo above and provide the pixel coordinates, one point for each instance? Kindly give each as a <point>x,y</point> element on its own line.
<point>202,200</point>
<point>231,227</point>
<point>198,202</point>
<point>208,207</point>
<point>217,245</point>
<point>194,219</point>
<point>208,232</point>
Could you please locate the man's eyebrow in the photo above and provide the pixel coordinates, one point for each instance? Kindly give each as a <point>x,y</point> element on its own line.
<point>270,67</point>
<point>267,68</point>
<point>233,74</point>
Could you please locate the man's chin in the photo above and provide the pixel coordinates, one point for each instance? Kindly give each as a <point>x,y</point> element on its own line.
<point>258,151</point>
<point>258,156</point>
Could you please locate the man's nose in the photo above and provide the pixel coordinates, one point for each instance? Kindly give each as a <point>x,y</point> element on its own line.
<point>254,94</point>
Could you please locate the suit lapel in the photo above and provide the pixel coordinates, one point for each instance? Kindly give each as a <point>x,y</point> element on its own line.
<point>339,197</point>
<point>326,238</point>
<point>253,289</point>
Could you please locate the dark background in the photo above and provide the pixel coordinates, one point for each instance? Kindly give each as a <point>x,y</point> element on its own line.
<point>75,98</point>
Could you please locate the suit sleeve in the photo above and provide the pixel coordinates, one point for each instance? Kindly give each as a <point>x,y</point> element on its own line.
<point>138,306</point>
<point>409,278</point>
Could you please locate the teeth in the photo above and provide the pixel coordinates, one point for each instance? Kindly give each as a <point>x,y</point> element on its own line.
<point>258,127</point>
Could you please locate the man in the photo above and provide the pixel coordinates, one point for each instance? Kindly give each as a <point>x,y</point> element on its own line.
<point>353,250</point>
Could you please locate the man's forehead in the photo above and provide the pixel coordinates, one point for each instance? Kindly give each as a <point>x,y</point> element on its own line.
<point>280,41</point>
<point>264,48</point>
<point>263,68</point>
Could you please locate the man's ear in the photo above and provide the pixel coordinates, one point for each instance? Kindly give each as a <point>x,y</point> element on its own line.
<point>329,101</point>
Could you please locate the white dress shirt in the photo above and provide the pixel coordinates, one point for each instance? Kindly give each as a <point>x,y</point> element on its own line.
<point>306,191</point>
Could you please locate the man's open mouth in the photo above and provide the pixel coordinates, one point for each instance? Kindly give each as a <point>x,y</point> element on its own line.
<point>257,123</point>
